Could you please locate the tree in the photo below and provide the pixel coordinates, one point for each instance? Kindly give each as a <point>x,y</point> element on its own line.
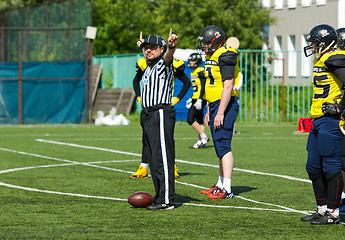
<point>120,22</point>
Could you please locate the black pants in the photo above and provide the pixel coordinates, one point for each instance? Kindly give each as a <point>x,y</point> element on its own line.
<point>158,137</point>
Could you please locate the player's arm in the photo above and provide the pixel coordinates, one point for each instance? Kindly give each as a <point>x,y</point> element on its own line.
<point>136,82</point>
<point>336,64</point>
<point>180,74</point>
<point>227,62</point>
<point>202,78</point>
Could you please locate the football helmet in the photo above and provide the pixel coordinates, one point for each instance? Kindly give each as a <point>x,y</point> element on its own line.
<point>322,38</point>
<point>194,57</point>
<point>341,38</point>
<point>211,38</point>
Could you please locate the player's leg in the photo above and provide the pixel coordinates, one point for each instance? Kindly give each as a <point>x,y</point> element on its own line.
<point>313,168</point>
<point>330,141</point>
<point>222,143</point>
<point>145,155</point>
<point>342,207</point>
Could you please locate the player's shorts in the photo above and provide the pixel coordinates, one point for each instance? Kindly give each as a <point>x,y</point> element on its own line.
<point>195,115</point>
<point>222,137</point>
<point>324,146</point>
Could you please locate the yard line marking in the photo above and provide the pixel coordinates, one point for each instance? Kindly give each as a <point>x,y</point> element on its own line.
<point>90,165</point>
<point>177,160</point>
<point>249,208</point>
<point>63,160</point>
<point>125,200</point>
<point>59,193</point>
<point>87,147</point>
<point>250,200</point>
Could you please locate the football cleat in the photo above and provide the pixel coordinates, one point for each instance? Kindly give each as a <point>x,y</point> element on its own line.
<point>203,142</point>
<point>311,217</point>
<point>160,206</point>
<point>176,173</point>
<point>140,173</point>
<point>326,219</point>
<point>196,145</point>
<point>210,190</point>
<point>220,194</point>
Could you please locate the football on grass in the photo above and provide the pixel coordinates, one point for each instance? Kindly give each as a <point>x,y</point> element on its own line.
<point>140,199</point>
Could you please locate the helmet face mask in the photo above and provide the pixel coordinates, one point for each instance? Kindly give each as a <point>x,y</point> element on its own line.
<point>211,38</point>
<point>322,38</point>
<point>341,38</point>
<point>194,60</point>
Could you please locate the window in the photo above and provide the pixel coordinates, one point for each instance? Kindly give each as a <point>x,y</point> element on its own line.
<point>278,59</point>
<point>292,59</point>
<point>266,3</point>
<point>278,4</point>
<point>292,3</point>
<point>321,2</point>
<point>305,61</point>
<point>306,3</point>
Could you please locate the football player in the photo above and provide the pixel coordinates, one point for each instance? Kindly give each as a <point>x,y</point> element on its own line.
<point>179,68</point>
<point>325,139</point>
<point>196,110</point>
<point>341,47</point>
<point>221,68</point>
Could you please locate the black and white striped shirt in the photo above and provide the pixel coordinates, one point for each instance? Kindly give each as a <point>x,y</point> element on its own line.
<point>156,84</point>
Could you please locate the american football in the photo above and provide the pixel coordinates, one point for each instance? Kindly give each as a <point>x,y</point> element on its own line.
<point>140,199</point>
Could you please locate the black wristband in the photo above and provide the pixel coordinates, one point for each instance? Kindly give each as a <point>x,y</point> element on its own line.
<point>172,47</point>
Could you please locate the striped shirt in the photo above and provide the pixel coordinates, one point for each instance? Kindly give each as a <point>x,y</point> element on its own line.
<point>157,84</point>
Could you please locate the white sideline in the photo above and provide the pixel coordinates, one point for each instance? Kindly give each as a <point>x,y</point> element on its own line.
<point>90,164</point>
<point>177,160</point>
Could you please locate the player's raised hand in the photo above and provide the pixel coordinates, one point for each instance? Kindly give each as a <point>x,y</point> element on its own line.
<point>172,40</point>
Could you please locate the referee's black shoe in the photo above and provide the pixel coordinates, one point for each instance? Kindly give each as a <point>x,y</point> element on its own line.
<point>311,217</point>
<point>326,219</point>
<point>160,206</point>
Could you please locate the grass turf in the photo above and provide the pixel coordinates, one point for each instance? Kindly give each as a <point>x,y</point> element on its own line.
<point>99,173</point>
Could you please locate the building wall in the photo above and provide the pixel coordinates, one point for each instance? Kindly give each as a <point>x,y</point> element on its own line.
<point>298,20</point>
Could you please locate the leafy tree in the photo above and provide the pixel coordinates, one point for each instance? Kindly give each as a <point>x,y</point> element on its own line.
<point>120,22</point>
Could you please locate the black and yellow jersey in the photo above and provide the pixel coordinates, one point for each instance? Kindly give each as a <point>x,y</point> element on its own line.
<point>222,64</point>
<point>195,77</point>
<point>327,86</point>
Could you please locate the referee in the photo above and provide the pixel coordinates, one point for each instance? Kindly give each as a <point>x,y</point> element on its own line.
<point>157,118</point>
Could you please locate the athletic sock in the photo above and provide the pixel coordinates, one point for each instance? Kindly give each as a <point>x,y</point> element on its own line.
<point>203,136</point>
<point>333,212</point>
<point>144,165</point>
<point>227,184</point>
<point>322,209</point>
<point>220,182</point>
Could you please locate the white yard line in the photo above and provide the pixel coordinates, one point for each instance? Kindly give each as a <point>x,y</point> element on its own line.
<point>90,164</point>
<point>177,160</point>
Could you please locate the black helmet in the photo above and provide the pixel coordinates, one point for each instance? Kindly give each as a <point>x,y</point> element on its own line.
<point>341,38</point>
<point>211,34</point>
<point>194,57</point>
<point>323,37</point>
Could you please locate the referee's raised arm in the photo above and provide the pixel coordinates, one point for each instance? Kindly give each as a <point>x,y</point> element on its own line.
<point>172,41</point>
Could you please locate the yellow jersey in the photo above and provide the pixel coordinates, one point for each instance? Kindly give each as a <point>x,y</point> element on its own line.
<point>196,83</point>
<point>217,69</point>
<point>327,87</point>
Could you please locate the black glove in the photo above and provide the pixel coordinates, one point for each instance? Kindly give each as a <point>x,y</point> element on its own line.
<point>330,108</point>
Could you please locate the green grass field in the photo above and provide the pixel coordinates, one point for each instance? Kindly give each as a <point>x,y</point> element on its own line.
<point>71,182</point>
